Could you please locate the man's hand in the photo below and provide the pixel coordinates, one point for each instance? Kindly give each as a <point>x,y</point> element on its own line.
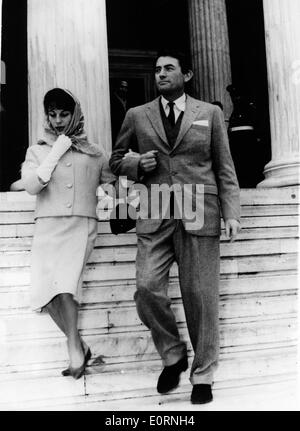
<point>232,228</point>
<point>148,161</point>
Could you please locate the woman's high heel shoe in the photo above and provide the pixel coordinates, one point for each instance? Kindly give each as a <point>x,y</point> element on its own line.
<point>77,372</point>
<point>87,357</point>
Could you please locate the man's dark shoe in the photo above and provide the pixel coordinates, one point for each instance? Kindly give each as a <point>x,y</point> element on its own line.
<point>201,394</point>
<point>169,378</point>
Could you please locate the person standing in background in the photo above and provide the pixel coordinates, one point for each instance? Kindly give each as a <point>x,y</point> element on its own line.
<point>243,140</point>
<point>118,108</point>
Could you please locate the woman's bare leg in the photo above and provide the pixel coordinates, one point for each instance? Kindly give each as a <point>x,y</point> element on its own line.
<point>69,312</point>
<point>53,311</point>
<point>64,311</point>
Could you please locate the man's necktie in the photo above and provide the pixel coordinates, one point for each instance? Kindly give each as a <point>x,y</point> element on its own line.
<point>171,116</point>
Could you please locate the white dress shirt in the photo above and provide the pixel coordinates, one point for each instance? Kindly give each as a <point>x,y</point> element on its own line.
<point>178,107</point>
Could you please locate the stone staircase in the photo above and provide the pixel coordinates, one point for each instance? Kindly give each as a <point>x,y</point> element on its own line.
<point>258,312</point>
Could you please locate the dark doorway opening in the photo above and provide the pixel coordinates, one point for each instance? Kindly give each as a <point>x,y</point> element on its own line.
<point>137,30</point>
<point>151,25</point>
<point>14,97</point>
<point>249,75</point>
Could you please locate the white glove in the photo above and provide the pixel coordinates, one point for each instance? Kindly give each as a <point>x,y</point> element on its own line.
<point>60,146</point>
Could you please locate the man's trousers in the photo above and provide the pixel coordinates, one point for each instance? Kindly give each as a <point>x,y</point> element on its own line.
<point>198,259</point>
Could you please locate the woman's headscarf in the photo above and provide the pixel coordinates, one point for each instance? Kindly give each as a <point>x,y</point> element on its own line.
<point>75,130</point>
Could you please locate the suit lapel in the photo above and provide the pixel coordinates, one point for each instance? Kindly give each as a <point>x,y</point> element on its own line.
<point>191,111</point>
<point>153,113</point>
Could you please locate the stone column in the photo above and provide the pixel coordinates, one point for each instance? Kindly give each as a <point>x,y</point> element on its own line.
<point>282,31</point>
<point>67,47</point>
<point>210,51</point>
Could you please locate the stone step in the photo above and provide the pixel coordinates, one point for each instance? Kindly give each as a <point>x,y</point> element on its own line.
<point>126,270</point>
<point>21,214</point>
<point>16,201</point>
<point>136,344</point>
<point>233,308</point>
<point>270,196</point>
<point>42,389</point>
<point>104,293</point>
<point>269,210</point>
<point>22,224</point>
<point>110,240</point>
<point>127,253</point>
<point>125,361</point>
<point>23,230</point>
<point>269,393</point>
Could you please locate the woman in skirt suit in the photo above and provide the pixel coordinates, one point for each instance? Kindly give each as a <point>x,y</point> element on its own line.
<point>63,170</point>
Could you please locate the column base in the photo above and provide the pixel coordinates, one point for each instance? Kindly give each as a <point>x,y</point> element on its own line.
<point>281,173</point>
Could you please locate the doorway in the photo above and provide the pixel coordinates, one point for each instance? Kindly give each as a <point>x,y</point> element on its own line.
<point>136,31</point>
<point>14,98</point>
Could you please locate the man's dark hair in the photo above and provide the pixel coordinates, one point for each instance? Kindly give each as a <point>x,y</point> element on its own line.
<point>57,98</point>
<point>182,58</point>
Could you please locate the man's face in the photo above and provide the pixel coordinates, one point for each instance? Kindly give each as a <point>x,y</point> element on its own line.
<point>169,77</point>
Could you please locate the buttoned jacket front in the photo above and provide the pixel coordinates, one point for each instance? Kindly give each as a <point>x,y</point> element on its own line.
<point>73,184</point>
<point>200,155</point>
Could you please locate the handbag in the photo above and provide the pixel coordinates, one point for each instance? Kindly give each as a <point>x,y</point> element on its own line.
<point>120,220</point>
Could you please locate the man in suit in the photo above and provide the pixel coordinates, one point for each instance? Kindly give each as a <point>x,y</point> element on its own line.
<point>180,141</point>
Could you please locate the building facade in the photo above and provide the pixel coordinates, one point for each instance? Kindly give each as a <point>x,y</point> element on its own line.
<point>88,46</point>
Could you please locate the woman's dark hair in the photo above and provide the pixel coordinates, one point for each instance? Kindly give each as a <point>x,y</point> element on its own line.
<point>58,99</point>
<point>182,58</point>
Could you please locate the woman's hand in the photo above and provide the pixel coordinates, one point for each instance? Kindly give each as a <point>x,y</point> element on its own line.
<point>131,154</point>
<point>62,144</point>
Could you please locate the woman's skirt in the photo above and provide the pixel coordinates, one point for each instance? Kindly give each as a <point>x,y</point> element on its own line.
<point>60,250</point>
